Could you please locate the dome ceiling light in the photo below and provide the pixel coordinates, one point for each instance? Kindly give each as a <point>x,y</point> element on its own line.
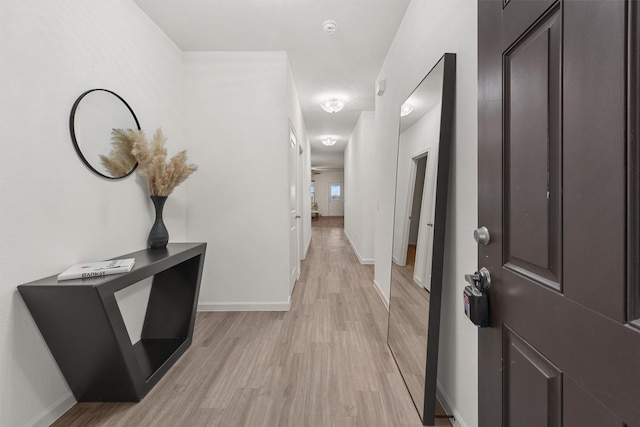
<point>406,109</point>
<point>332,105</point>
<point>329,141</point>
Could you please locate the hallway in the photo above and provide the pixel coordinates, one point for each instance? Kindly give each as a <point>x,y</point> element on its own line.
<point>323,363</point>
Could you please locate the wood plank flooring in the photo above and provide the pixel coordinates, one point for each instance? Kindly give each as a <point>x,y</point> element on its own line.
<point>411,258</point>
<point>408,327</point>
<point>324,363</point>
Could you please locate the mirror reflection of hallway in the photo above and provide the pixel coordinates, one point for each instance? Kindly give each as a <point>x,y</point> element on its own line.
<point>424,145</point>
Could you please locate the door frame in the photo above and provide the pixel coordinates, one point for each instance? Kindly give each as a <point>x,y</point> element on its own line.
<point>329,185</point>
<point>304,215</point>
<point>413,171</point>
<point>294,207</point>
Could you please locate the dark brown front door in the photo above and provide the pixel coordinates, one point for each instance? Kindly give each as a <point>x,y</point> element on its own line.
<point>558,184</point>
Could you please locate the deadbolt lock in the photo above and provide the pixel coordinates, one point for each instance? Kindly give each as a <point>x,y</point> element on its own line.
<point>480,280</point>
<point>482,236</point>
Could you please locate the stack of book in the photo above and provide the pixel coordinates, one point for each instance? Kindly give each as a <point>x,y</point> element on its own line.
<point>97,269</point>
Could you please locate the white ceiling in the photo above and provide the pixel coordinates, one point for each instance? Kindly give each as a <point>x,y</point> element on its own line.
<point>344,64</point>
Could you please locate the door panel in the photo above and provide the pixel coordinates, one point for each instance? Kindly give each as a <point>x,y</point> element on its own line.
<point>593,350</point>
<point>294,257</point>
<point>424,248</point>
<point>520,15</point>
<point>533,385</point>
<point>581,409</point>
<point>594,135</point>
<point>558,108</point>
<point>532,160</point>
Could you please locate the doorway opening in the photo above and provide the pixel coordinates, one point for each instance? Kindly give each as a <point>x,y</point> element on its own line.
<point>420,165</point>
<point>336,199</point>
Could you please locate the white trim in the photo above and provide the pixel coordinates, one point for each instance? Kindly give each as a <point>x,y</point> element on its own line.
<point>355,250</point>
<point>381,294</point>
<point>449,409</point>
<point>418,281</point>
<point>404,243</point>
<point>56,411</point>
<point>244,306</point>
<point>305,251</point>
<point>413,175</point>
<point>418,154</point>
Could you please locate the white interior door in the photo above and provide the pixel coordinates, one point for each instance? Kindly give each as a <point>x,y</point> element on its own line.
<point>302,212</point>
<point>424,248</point>
<point>402,221</point>
<point>336,199</point>
<point>294,258</point>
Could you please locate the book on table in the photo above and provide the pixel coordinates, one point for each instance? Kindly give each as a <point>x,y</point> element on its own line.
<point>97,269</point>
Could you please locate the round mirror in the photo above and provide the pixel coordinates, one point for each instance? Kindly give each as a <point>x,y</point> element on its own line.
<point>94,115</point>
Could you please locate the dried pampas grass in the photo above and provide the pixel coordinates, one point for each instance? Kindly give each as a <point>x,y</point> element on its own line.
<point>161,175</point>
<point>120,161</point>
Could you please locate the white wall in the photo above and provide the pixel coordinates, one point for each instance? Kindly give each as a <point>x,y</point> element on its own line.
<point>236,123</point>
<point>359,210</point>
<point>430,29</point>
<point>54,211</point>
<point>323,180</point>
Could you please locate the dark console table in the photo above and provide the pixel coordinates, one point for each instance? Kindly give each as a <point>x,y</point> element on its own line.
<point>82,325</point>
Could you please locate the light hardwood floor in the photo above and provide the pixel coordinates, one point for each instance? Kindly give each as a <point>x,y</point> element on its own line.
<point>324,363</point>
<point>411,258</point>
<point>408,327</point>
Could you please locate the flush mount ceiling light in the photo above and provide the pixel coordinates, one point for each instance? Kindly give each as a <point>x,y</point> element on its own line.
<point>406,109</point>
<point>332,105</point>
<point>329,26</point>
<point>328,141</point>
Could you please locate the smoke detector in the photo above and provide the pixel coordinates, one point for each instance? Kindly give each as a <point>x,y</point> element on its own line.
<point>329,26</point>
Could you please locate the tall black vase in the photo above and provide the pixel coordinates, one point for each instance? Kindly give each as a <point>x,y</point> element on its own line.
<point>159,236</point>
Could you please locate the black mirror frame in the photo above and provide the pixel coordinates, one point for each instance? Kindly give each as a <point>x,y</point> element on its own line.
<point>440,219</point>
<point>74,140</point>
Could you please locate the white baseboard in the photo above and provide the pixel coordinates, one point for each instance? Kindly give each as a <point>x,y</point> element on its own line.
<point>418,281</point>
<point>244,306</point>
<point>445,401</point>
<point>54,412</point>
<point>355,250</point>
<point>305,250</point>
<point>378,289</point>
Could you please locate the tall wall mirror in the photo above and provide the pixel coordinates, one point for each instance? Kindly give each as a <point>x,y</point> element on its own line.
<point>94,115</point>
<point>424,148</point>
